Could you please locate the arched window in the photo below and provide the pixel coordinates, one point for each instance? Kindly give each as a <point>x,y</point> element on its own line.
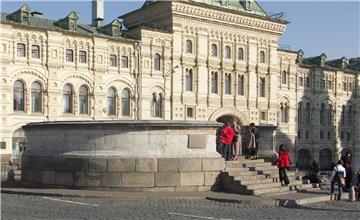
<point>214,82</point>
<point>330,115</point>
<point>67,99</point>
<point>214,50</point>
<point>83,100</point>
<point>124,62</point>
<point>157,60</point>
<point>18,93</point>
<point>343,112</point>
<point>125,102</point>
<point>227,52</point>
<point>307,82</point>
<point>322,114</point>
<point>349,115</point>
<point>157,105</point>
<point>262,86</point>
<point>240,53</point>
<point>262,57</point>
<point>36,97</point>
<point>307,113</point>
<point>35,51</point>
<point>284,77</point>
<point>111,101</point>
<point>284,109</point>
<point>228,84</point>
<point>189,80</point>
<point>241,83</point>
<point>21,50</point>
<point>189,47</point>
<point>300,113</point>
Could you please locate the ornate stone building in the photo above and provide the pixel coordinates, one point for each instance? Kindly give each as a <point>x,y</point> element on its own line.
<point>177,60</point>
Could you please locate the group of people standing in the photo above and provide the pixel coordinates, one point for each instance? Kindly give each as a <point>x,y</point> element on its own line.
<point>232,144</point>
<point>346,178</point>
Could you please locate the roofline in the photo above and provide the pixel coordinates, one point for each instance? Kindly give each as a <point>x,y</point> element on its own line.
<point>287,51</point>
<point>65,31</point>
<point>215,8</point>
<point>347,70</point>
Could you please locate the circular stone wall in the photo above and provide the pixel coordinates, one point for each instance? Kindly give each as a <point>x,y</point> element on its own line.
<point>133,155</point>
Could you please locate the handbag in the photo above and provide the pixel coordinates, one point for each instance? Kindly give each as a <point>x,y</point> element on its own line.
<point>340,179</point>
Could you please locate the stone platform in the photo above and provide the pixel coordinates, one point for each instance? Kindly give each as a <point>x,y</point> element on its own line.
<point>163,156</point>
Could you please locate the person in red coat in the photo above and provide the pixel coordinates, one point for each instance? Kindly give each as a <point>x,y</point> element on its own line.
<point>227,136</point>
<point>283,163</point>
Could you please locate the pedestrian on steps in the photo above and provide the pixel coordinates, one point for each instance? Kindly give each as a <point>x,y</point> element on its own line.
<point>227,136</point>
<point>237,142</point>
<point>283,163</point>
<point>338,176</point>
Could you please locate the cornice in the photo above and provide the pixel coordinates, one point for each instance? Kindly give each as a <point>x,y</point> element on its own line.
<point>181,8</point>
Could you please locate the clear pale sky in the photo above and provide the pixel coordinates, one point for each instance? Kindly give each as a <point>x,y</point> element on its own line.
<point>330,27</point>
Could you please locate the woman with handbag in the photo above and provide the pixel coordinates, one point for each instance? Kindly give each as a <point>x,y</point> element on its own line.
<point>338,176</point>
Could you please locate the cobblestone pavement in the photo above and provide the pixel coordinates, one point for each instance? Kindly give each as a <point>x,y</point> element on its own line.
<point>40,207</point>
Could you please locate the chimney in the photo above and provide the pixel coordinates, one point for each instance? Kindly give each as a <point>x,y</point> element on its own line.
<point>98,22</point>
<point>36,14</point>
<point>97,11</point>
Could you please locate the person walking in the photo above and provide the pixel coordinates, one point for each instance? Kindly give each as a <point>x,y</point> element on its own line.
<point>227,136</point>
<point>255,132</point>
<point>283,163</point>
<point>338,176</point>
<point>237,142</point>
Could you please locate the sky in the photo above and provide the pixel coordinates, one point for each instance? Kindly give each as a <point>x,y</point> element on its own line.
<point>323,26</point>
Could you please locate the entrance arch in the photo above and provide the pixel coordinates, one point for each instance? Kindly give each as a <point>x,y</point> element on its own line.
<point>225,113</point>
<point>303,159</point>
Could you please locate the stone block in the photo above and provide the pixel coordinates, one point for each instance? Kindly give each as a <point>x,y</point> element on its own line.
<point>77,164</point>
<point>36,176</point>
<point>87,179</point>
<point>213,164</point>
<point>187,189</point>
<point>192,179</point>
<point>137,179</point>
<point>97,165</point>
<point>26,175</point>
<point>48,177</point>
<point>198,140</point>
<point>190,164</point>
<point>204,188</point>
<point>159,189</point>
<point>167,179</point>
<point>212,178</point>
<point>111,179</point>
<point>64,178</point>
<point>121,165</point>
<point>168,165</point>
<point>146,165</point>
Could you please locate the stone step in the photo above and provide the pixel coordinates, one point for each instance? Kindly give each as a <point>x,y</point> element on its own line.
<point>238,166</point>
<point>272,190</point>
<point>255,177</point>
<point>270,168</point>
<point>253,181</point>
<point>263,185</point>
<point>263,164</point>
<point>238,172</point>
<point>254,161</point>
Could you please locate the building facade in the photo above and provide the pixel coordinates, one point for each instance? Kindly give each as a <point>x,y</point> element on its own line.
<point>177,60</point>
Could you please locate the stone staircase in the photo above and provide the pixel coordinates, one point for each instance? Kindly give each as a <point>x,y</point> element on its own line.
<point>257,177</point>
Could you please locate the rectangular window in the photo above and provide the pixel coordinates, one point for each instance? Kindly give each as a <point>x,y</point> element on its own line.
<point>82,56</point>
<point>348,136</point>
<point>344,86</point>
<point>69,55</point>
<point>307,135</point>
<point>307,82</point>
<point>329,85</point>
<point>322,84</point>
<point>2,145</point>
<point>190,112</point>
<point>35,51</point>
<point>21,50</point>
<point>124,62</point>
<point>301,81</point>
<point>263,116</point>
<point>321,135</point>
<point>113,60</point>
<point>329,135</point>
